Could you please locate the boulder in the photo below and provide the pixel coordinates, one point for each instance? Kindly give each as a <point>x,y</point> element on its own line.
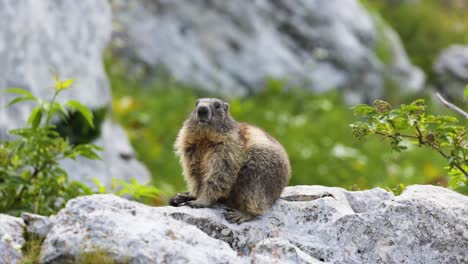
<point>399,68</point>
<point>68,37</point>
<point>451,69</point>
<point>11,239</point>
<point>309,224</point>
<point>37,225</point>
<point>232,48</point>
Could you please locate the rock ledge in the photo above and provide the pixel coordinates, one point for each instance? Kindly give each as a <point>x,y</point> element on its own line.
<point>310,224</point>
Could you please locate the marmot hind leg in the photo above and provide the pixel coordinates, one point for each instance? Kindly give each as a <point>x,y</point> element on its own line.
<point>237,217</point>
<point>180,199</point>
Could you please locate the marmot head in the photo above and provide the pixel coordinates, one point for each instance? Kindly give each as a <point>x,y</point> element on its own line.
<point>212,114</point>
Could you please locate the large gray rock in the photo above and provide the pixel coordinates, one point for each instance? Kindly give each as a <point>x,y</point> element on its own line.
<point>399,68</point>
<point>310,224</point>
<point>232,48</point>
<point>11,239</point>
<point>38,37</point>
<point>53,35</point>
<point>451,68</point>
<point>129,232</point>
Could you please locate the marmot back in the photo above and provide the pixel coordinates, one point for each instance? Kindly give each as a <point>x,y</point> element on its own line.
<point>234,163</point>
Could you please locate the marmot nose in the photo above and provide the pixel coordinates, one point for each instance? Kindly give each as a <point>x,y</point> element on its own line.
<point>202,111</point>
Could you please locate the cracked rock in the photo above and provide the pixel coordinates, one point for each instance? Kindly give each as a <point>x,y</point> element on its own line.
<point>11,239</point>
<point>425,224</point>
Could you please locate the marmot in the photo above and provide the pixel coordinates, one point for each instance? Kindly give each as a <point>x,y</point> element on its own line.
<point>225,161</point>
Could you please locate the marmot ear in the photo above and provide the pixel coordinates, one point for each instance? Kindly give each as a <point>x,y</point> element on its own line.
<point>226,106</point>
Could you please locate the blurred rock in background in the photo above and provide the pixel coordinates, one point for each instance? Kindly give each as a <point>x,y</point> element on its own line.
<point>40,37</point>
<point>232,48</point>
<point>451,68</point>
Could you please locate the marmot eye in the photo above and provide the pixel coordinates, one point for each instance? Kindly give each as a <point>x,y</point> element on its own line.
<point>217,105</point>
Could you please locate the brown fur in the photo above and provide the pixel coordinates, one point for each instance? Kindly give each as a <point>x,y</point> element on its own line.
<point>235,163</point>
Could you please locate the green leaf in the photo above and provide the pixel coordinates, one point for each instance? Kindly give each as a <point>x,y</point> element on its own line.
<point>465,93</point>
<point>101,187</point>
<point>62,85</point>
<point>81,187</point>
<point>86,150</point>
<point>21,99</point>
<point>87,114</point>
<point>363,109</point>
<point>35,117</point>
<point>449,119</point>
<point>19,91</point>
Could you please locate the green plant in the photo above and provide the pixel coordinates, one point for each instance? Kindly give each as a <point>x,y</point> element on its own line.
<point>31,249</point>
<point>411,124</point>
<point>132,190</point>
<point>97,256</point>
<point>31,178</point>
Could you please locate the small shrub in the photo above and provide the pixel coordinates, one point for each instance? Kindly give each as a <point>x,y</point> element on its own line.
<point>412,124</point>
<point>31,178</point>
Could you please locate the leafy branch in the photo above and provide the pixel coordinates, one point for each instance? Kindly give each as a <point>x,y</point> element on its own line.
<point>413,124</point>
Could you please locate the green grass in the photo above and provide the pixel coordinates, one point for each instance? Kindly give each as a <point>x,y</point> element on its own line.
<point>313,128</point>
<point>31,249</point>
<point>32,253</point>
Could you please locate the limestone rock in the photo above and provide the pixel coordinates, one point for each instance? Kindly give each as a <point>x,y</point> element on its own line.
<point>11,239</point>
<point>233,48</point>
<point>451,68</point>
<point>310,224</point>
<point>399,68</point>
<point>37,225</point>
<point>40,37</point>
<point>131,232</point>
<point>55,35</point>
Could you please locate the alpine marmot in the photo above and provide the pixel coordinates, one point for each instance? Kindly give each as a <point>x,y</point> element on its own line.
<point>233,163</point>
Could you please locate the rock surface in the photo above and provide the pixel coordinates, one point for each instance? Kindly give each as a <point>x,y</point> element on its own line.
<point>230,48</point>
<point>11,239</point>
<point>451,68</point>
<point>310,224</point>
<point>43,37</point>
<point>37,225</point>
<point>69,37</point>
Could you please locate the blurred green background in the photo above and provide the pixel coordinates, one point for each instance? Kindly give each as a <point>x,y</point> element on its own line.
<point>314,128</point>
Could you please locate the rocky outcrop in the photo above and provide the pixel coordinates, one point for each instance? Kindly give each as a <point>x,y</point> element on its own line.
<point>230,48</point>
<point>310,224</point>
<point>68,37</point>
<point>11,239</point>
<point>451,68</point>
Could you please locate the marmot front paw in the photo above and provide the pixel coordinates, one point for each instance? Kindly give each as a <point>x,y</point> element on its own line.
<point>196,204</point>
<point>180,199</point>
